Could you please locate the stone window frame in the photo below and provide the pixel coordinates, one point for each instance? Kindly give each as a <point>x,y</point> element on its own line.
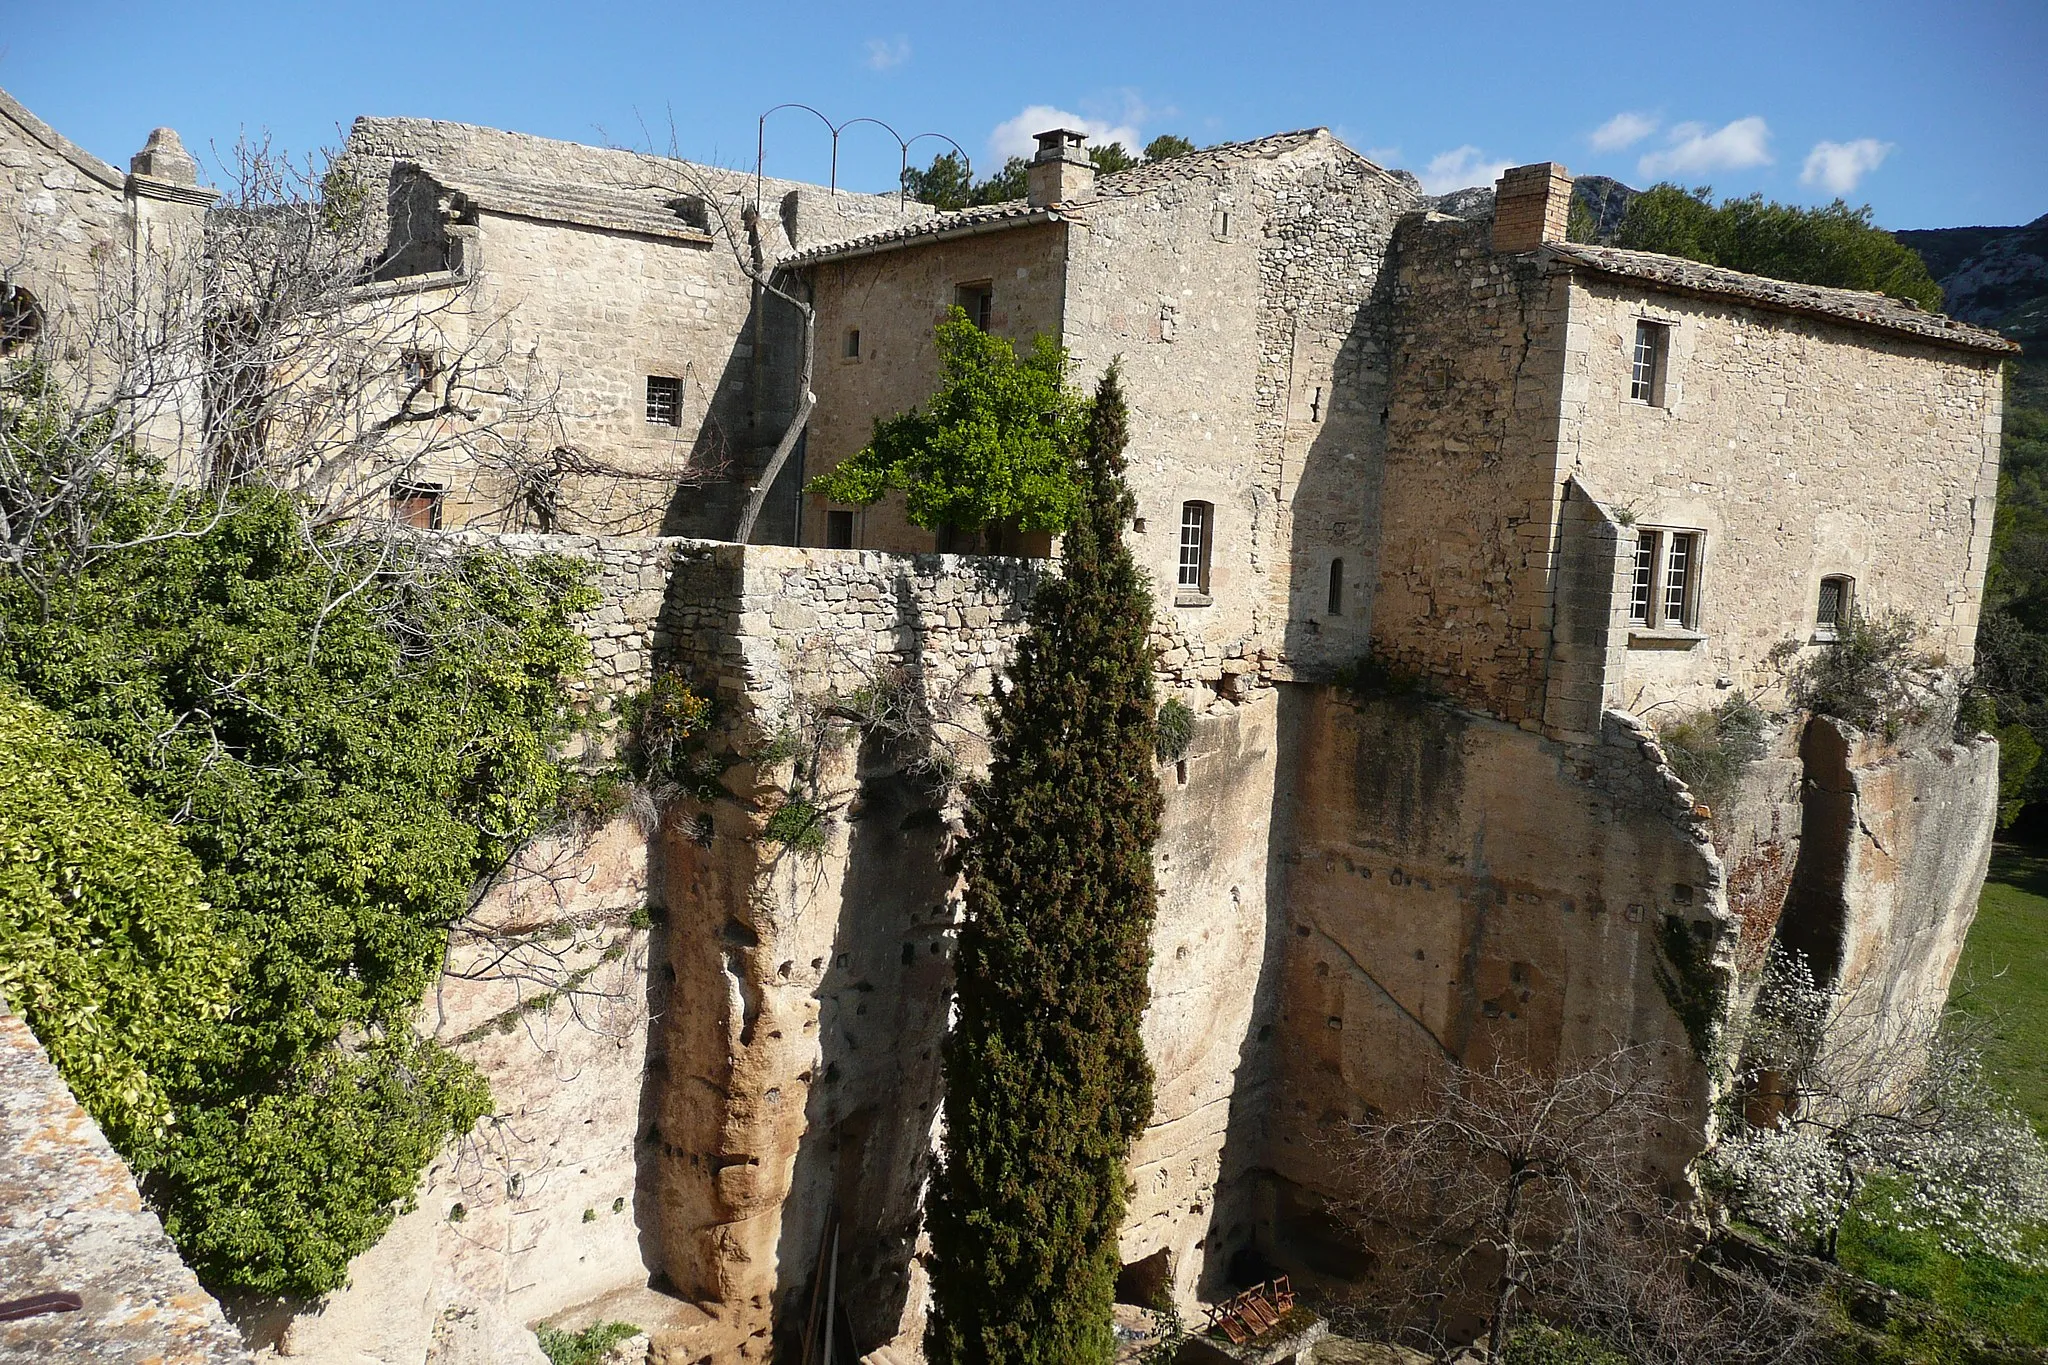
<point>664,400</point>
<point>1336,599</point>
<point>1196,553</point>
<point>841,524</point>
<point>21,319</point>
<point>849,350</point>
<point>1651,389</point>
<point>982,294</point>
<point>418,504</point>
<point>1826,628</point>
<point>1666,560</point>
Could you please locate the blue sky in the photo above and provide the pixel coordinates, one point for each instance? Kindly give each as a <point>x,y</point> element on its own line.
<point>1934,113</point>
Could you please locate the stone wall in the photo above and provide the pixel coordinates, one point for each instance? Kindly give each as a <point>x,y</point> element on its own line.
<point>895,299</point>
<point>1802,448</point>
<point>63,217</point>
<point>1468,512</point>
<point>578,277</point>
<point>74,1223</point>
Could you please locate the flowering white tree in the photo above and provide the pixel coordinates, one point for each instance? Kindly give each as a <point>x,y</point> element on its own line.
<point>1840,1099</point>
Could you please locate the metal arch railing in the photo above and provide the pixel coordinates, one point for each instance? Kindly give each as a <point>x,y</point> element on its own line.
<point>902,146</point>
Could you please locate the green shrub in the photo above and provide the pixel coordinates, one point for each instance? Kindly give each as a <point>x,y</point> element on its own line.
<point>1869,677</point>
<point>1176,731</point>
<point>1710,750</point>
<point>106,947</point>
<point>664,725</point>
<point>798,824</point>
<point>1538,1344</point>
<point>345,737</point>
<point>586,1347</point>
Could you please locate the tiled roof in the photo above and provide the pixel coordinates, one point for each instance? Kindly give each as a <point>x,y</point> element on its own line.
<point>1017,213</point>
<point>653,211</point>
<point>1854,306</point>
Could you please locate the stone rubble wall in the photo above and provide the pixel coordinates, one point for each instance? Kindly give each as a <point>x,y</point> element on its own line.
<point>63,217</point>
<point>72,1219</point>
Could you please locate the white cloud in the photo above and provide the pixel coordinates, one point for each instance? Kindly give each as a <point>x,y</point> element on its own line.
<point>1458,168</point>
<point>1623,130</point>
<point>1017,136</point>
<point>1692,149</point>
<point>886,54</point>
<point>1838,167</point>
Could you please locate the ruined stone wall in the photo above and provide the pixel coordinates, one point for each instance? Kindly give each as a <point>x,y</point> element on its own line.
<point>1469,509</point>
<point>1430,913</point>
<point>895,299</point>
<point>1801,448</point>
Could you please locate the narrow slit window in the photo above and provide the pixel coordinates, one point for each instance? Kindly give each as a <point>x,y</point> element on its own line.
<point>1336,587</point>
<point>853,343</point>
<point>1640,593</point>
<point>1197,521</point>
<point>838,529</point>
<point>1649,363</point>
<point>1837,601</point>
<point>664,400</point>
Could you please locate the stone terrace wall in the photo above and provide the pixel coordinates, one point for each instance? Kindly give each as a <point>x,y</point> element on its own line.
<point>71,1219</point>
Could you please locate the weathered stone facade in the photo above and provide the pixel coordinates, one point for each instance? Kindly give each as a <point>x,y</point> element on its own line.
<point>1430,441</point>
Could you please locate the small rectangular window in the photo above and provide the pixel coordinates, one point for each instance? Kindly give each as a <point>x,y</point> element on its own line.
<point>417,505</point>
<point>977,301</point>
<point>1336,587</point>
<point>418,367</point>
<point>853,343</point>
<point>1196,531</point>
<point>664,400</point>
<point>1664,588</point>
<point>1649,363</point>
<point>838,529</point>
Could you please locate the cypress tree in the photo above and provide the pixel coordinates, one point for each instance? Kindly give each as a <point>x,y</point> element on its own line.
<point>1047,1082</point>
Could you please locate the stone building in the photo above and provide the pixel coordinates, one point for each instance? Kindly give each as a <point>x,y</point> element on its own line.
<point>1548,494</point>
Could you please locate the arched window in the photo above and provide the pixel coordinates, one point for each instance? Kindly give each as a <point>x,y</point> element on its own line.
<point>1197,530</point>
<point>20,320</point>
<point>1837,603</point>
<point>1336,587</point>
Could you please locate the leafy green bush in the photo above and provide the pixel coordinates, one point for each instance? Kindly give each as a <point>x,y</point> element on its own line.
<point>798,824</point>
<point>106,947</point>
<point>1711,749</point>
<point>345,737</point>
<point>993,445</point>
<point>1176,731</point>
<point>586,1347</point>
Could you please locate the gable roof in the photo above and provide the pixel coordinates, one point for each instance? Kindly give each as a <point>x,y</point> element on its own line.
<point>1857,307</point>
<point>1140,179</point>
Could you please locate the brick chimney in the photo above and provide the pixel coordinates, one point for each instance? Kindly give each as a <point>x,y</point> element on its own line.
<point>1061,172</point>
<point>1531,205</point>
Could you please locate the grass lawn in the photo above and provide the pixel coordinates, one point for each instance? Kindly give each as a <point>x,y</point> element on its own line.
<point>2003,977</point>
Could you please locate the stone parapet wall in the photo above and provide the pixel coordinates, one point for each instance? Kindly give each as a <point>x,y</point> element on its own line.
<point>71,1220</point>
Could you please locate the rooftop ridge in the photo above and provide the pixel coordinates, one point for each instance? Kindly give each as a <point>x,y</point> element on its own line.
<point>1856,306</point>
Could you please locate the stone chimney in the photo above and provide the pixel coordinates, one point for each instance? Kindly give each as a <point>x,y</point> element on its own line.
<point>1531,205</point>
<point>164,158</point>
<point>1061,172</point>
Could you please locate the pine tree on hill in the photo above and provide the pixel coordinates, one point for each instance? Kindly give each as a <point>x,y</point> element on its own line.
<point>1047,1082</point>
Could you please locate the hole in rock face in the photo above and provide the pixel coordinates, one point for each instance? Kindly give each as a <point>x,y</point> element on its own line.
<point>1144,1282</point>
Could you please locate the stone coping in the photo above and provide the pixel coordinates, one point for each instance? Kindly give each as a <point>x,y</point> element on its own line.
<point>1857,307</point>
